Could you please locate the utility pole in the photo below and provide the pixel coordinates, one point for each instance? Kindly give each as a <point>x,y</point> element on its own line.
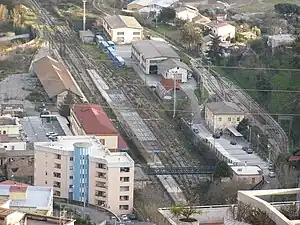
<point>84,17</point>
<point>174,95</point>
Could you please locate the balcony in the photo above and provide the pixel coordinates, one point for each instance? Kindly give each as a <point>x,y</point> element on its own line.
<point>101,186</point>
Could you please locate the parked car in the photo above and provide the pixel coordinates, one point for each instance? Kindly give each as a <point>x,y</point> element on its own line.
<point>272,174</point>
<point>49,134</point>
<point>216,136</point>
<point>233,142</point>
<point>196,131</point>
<point>245,148</point>
<point>125,218</point>
<point>271,166</point>
<point>249,151</point>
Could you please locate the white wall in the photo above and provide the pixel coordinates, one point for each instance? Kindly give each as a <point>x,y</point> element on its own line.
<point>123,35</point>
<point>186,15</point>
<point>224,31</point>
<point>180,74</point>
<point>13,146</point>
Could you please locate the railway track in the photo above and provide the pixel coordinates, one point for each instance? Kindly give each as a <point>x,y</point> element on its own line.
<point>139,95</point>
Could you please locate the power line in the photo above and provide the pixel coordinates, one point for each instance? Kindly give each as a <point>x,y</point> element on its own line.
<point>164,110</point>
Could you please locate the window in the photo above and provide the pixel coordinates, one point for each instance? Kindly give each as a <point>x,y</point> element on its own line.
<point>57,193</point>
<point>71,186</point>
<point>124,198</point>
<point>220,119</point>
<point>46,173</point>
<point>120,39</point>
<point>71,158</point>
<point>100,166</point>
<point>101,175</point>
<point>71,167</point>
<point>46,182</point>
<point>238,119</point>
<point>124,179</point>
<point>58,175</point>
<point>102,141</point>
<point>71,177</point>
<point>123,207</point>
<point>56,184</point>
<point>57,166</point>
<point>101,203</point>
<point>4,132</point>
<point>120,33</point>
<point>124,188</point>
<point>229,119</point>
<point>124,169</point>
<point>58,156</point>
<point>136,33</point>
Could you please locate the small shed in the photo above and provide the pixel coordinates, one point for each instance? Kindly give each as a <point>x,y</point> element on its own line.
<point>86,36</point>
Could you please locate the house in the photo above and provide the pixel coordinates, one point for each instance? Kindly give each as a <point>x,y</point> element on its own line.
<point>10,126</point>
<point>187,13</point>
<point>165,90</point>
<point>224,31</point>
<point>122,29</point>
<point>104,179</point>
<point>56,79</point>
<point>27,199</point>
<point>86,36</point>
<point>221,115</point>
<point>221,17</point>
<point>280,39</point>
<point>174,68</point>
<point>15,110</point>
<point>147,6</point>
<point>202,20</point>
<point>250,175</point>
<point>149,53</point>
<point>90,119</point>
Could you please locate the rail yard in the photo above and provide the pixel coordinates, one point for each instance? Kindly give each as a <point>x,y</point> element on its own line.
<point>128,93</point>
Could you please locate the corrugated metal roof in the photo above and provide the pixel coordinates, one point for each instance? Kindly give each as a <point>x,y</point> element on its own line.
<point>118,21</point>
<point>93,119</point>
<point>170,64</point>
<point>154,49</point>
<point>54,77</point>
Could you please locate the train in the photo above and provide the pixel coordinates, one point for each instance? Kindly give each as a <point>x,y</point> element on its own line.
<point>111,44</point>
<point>118,60</point>
<point>98,39</point>
<point>103,46</point>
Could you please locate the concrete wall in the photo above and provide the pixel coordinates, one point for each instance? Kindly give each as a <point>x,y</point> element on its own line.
<point>180,74</point>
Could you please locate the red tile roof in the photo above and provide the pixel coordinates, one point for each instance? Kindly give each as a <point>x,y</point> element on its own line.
<point>11,182</point>
<point>93,119</point>
<point>122,144</point>
<point>169,84</point>
<point>17,189</point>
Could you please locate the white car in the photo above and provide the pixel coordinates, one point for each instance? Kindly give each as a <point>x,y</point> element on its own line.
<point>50,134</point>
<point>124,218</point>
<point>272,174</point>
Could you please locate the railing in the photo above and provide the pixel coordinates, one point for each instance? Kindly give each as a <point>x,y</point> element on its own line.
<point>259,185</point>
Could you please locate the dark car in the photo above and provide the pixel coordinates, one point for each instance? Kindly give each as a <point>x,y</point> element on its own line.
<point>216,136</point>
<point>245,148</point>
<point>196,131</point>
<point>233,142</point>
<point>249,151</point>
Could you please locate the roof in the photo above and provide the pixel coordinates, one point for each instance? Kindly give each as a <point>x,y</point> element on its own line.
<point>219,25</point>
<point>154,49</point>
<point>118,21</point>
<point>93,119</point>
<point>222,108</point>
<point>11,182</point>
<point>169,84</point>
<point>294,158</point>
<point>86,33</point>
<point>13,106</point>
<point>97,150</point>
<point>39,197</point>
<point>54,77</point>
<point>162,3</point>
<point>201,19</point>
<point>170,64</point>
<point>246,170</point>
<point>5,212</point>
<point>15,188</point>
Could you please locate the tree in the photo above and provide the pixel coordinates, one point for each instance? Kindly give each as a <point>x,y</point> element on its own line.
<point>222,170</point>
<point>166,14</point>
<point>64,108</point>
<point>185,211</point>
<point>192,35</point>
<point>243,126</point>
<point>214,52</point>
<point>287,8</point>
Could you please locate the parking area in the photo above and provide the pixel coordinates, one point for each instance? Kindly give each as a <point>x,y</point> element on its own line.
<point>35,128</point>
<point>125,52</point>
<point>235,151</point>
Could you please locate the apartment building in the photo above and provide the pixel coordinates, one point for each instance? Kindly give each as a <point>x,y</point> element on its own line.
<point>90,119</point>
<point>83,169</point>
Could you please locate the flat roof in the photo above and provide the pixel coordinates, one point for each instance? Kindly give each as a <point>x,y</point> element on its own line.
<point>282,37</point>
<point>222,108</point>
<point>162,3</point>
<point>119,21</point>
<point>97,150</point>
<point>235,132</point>
<point>154,49</point>
<point>86,33</point>
<point>37,197</point>
<point>7,120</point>
<point>246,170</point>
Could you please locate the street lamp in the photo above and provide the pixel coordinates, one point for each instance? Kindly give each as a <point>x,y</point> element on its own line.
<point>174,92</point>
<point>269,149</point>
<point>84,17</point>
<point>258,142</point>
<point>250,133</point>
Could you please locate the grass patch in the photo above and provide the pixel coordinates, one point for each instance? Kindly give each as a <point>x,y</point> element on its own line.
<point>201,98</point>
<point>96,52</point>
<point>35,97</point>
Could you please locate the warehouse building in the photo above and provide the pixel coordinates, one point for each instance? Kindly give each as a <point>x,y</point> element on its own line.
<point>150,54</point>
<point>122,29</point>
<point>148,6</point>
